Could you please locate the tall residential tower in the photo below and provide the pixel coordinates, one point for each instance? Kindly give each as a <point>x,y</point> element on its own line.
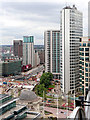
<point>71,30</point>
<point>18,48</point>
<point>52,52</point>
<point>28,50</point>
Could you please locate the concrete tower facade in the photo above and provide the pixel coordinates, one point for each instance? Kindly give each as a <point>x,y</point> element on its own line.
<point>71,30</point>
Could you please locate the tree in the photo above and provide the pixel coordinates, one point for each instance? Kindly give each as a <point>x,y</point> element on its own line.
<point>19,92</point>
<point>40,88</point>
<point>46,79</point>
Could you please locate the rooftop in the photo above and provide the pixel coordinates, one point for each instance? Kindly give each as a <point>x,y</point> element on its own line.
<point>11,111</point>
<point>28,95</point>
<point>68,7</point>
<point>3,95</point>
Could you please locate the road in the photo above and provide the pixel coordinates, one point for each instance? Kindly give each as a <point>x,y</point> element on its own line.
<point>14,82</point>
<point>34,70</point>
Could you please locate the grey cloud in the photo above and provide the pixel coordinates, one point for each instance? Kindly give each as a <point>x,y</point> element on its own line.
<point>45,11</point>
<point>37,8</point>
<point>44,14</point>
<point>18,32</point>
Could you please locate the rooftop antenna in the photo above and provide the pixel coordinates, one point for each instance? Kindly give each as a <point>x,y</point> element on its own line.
<point>66,3</point>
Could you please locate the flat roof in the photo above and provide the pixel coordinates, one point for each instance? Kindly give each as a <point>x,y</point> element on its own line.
<point>10,112</point>
<point>7,103</point>
<point>3,96</point>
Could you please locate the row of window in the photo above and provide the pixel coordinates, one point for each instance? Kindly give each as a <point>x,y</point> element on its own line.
<point>28,39</point>
<point>86,74</point>
<point>82,49</point>
<point>85,44</point>
<point>86,54</point>
<point>86,58</point>
<point>85,83</point>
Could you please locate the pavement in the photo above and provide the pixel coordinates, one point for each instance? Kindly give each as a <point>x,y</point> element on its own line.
<point>61,113</point>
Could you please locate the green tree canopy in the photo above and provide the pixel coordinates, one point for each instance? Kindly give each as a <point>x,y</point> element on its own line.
<point>46,78</point>
<point>40,88</point>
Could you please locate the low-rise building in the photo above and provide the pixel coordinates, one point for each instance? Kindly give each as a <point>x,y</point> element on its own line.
<point>10,110</point>
<point>10,67</point>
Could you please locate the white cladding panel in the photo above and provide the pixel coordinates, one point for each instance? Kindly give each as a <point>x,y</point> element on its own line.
<point>71,31</point>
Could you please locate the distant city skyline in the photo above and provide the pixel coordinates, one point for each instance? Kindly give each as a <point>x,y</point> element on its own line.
<point>31,17</point>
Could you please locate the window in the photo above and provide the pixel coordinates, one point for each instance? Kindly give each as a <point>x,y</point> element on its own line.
<point>86,49</point>
<point>80,44</point>
<point>86,84</point>
<point>81,58</point>
<point>87,58</point>
<point>80,85</point>
<point>88,44</point>
<point>82,54</point>
<point>83,77</point>
<point>82,82</point>
<point>84,44</point>
<point>82,63</point>
<point>80,88</point>
<point>86,79</point>
<point>82,72</point>
<point>86,89</point>
<point>80,76</point>
<point>86,69</point>
<point>86,64</point>
<point>82,68</point>
<point>86,74</point>
<point>83,87</point>
<point>86,54</point>
<point>81,49</point>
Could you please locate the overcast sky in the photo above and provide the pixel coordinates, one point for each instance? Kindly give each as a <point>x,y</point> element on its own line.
<point>32,17</point>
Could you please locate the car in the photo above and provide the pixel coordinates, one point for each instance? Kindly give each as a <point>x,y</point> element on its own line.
<point>62,112</point>
<point>12,86</point>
